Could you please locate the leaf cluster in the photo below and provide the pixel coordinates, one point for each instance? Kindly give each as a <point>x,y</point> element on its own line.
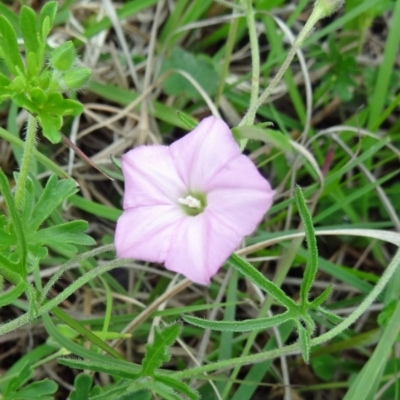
<point>34,83</point>
<point>24,241</point>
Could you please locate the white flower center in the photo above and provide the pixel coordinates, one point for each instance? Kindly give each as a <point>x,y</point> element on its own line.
<point>190,201</point>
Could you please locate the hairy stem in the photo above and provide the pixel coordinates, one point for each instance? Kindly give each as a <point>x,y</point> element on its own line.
<point>26,161</point>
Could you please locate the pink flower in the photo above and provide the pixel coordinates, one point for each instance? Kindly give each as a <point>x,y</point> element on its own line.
<point>189,205</point>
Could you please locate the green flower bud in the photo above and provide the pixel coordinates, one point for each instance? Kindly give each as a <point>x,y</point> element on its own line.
<point>327,7</point>
<point>63,56</point>
<point>76,78</point>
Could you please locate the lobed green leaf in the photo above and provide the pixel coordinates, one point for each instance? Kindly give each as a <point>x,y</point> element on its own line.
<point>312,259</point>
<point>261,281</point>
<point>247,325</point>
<point>157,352</point>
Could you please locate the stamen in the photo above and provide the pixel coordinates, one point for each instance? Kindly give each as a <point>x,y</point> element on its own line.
<point>190,201</point>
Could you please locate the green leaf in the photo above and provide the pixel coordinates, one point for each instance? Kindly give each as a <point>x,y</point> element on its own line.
<point>20,234</point>
<point>4,81</point>
<point>63,56</point>
<point>322,297</point>
<point>64,235</point>
<point>32,65</point>
<point>13,294</point>
<point>27,23</point>
<point>312,259</point>
<point>9,47</point>
<point>177,385</point>
<point>46,18</point>
<point>261,281</point>
<point>324,366</point>
<point>38,96</point>
<point>157,352</point>
<point>304,339</point>
<point>97,366</point>
<point>386,314</point>
<point>22,101</point>
<point>38,390</point>
<point>54,193</point>
<point>199,67</point>
<point>269,136</point>
<point>50,126</point>
<point>83,384</point>
<point>16,380</point>
<point>332,317</point>
<point>72,107</point>
<point>77,78</point>
<point>247,325</point>
<point>189,121</point>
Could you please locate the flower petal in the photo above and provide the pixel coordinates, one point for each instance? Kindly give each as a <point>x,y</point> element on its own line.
<point>200,247</point>
<point>200,154</point>
<point>150,177</point>
<point>239,195</point>
<point>145,233</point>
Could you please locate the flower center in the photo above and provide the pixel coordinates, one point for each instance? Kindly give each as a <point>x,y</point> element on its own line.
<point>193,204</point>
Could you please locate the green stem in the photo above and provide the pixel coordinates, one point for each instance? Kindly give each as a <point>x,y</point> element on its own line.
<point>295,348</point>
<point>48,306</point>
<point>250,116</point>
<point>26,161</point>
<point>255,61</point>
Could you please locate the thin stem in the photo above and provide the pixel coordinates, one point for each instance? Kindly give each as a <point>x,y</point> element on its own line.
<point>26,161</point>
<point>249,118</point>
<point>255,61</point>
<point>47,307</point>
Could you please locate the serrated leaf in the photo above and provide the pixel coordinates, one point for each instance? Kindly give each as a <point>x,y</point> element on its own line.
<point>261,281</point>
<point>54,193</point>
<point>247,325</point>
<point>157,352</point>
<point>27,23</point>
<point>332,317</point>
<point>312,253</point>
<point>9,47</point>
<point>199,67</point>
<point>304,339</point>
<point>322,297</point>
<point>17,226</point>
<point>64,235</point>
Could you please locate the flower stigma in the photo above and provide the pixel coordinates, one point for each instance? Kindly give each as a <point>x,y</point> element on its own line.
<point>193,204</point>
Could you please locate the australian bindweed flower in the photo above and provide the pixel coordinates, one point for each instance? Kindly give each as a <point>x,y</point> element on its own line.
<point>189,205</point>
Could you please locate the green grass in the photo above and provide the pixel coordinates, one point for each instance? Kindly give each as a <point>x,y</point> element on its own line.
<point>359,190</point>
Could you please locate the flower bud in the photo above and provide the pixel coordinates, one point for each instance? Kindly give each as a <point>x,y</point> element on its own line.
<point>76,78</point>
<point>327,7</point>
<point>63,56</point>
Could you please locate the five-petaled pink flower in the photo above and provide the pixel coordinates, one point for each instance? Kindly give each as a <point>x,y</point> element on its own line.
<point>189,205</point>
